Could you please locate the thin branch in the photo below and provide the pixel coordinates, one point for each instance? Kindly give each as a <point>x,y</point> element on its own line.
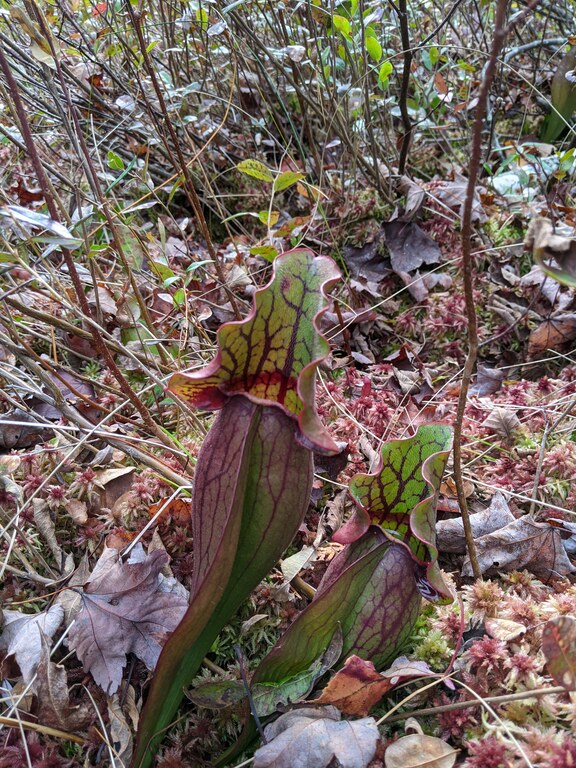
<point>500,31</point>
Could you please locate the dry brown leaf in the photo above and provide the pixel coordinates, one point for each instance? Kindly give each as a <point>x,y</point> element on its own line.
<point>318,737</point>
<point>546,245</point>
<point>18,429</point>
<point>488,380</point>
<point>420,751</point>
<point>503,422</point>
<point>120,730</point>
<point>22,636</point>
<point>355,688</point>
<point>78,510</point>
<point>557,333</point>
<point>453,195</point>
<point>559,648</point>
<point>450,533</point>
<point>523,544</point>
<point>53,707</point>
<point>123,611</point>
<point>410,247</point>
<point>504,629</point>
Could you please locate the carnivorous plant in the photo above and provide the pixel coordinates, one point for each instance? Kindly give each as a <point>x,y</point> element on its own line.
<point>254,471</point>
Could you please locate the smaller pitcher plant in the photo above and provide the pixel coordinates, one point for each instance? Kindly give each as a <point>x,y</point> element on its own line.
<point>370,597</point>
<point>254,471</point>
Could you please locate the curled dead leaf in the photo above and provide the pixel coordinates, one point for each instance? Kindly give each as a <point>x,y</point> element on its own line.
<point>318,737</point>
<point>420,751</point>
<point>355,688</point>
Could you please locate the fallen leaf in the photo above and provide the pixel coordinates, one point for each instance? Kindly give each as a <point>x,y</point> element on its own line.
<point>557,333</point>
<point>503,422</point>
<point>19,429</point>
<point>559,648</point>
<point>450,533</point>
<point>54,708</point>
<point>292,565</point>
<point>410,247</point>
<point>549,247</point>
<point>523,544</point>
<point>178,509</point>
<point>504,629</point>
<point>415,196</point>
<point>123,611</point>
<point>355,688</point>
<point>113,482</point>
<point>453,195</point>
<point>120,731</point>
<point>403,668</point>
<point>488,380</point>
<point>368,261</point>
<point>22,636</point>
<point>318,736</point>
<point>420,751</point>
<point>78,510</point>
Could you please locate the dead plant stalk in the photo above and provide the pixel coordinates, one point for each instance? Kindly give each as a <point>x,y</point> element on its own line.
<point>500,31</point>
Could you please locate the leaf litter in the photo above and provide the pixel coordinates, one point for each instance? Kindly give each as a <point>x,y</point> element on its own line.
<point>123,610</point>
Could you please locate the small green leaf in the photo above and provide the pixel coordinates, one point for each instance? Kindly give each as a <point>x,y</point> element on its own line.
<point>373,48</point>
<point>269,218</point>
<point>267,252</point>
<point>341,24</point>
<point>256,169</point>
<point>162,270</point>
<point>287,179</point>
<point>385,71</point>
<point>202,17</point>
<point>179,297</point>
<point>131,246</point>
<point>114,161</point>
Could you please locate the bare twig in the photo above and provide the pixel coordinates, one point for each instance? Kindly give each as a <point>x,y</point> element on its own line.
<point>402,11</point>
<point>504,699</point>
<point>500,31</point>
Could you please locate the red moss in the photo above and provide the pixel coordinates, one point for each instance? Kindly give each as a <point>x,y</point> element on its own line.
<point>487,753</point>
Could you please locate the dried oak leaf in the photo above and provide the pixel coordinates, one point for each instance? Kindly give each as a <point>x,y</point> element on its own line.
<point>314,737</point>
<point>523,544</point>
<point>355,688</point>
<point>123,611</point>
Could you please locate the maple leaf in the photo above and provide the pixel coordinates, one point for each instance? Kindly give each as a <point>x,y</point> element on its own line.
<point>124,610</point>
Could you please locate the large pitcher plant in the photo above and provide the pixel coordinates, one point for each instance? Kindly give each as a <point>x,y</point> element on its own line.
<point>254,471</point>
